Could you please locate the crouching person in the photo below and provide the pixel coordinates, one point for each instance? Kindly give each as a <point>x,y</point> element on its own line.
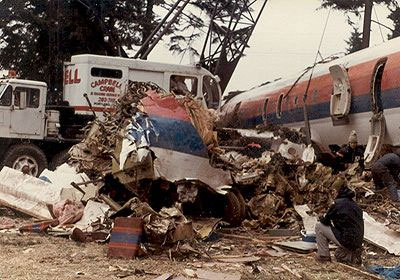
<point>343,225</point>
<point>385,173</point>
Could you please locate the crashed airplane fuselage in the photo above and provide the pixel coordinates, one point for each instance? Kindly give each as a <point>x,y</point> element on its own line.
<point>357,92</point>
<point>171,133</point>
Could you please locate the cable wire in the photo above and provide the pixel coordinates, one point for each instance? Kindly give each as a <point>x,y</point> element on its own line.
<point>306,121</point>
<point>379,24</point>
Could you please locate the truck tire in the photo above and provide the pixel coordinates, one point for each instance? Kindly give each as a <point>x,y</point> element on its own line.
<point>232,209</point>
<point>26,155</point>
<point>58,159</point>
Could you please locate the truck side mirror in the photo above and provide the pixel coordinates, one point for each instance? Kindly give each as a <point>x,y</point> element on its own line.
<point>22,100</point>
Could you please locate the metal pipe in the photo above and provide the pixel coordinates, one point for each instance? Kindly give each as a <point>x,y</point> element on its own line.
<point>158,27</point>
<point>151,47</point>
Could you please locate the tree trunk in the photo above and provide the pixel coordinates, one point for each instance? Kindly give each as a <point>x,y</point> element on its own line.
<point>367,23</point>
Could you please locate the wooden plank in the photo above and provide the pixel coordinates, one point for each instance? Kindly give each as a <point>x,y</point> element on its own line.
<point>354,269</point>
<point>210,275</point>
<point>285,267</point>
<point>237,259</point>
<point>282,232</point>
<point>298,246</point>
<point>165,276</point>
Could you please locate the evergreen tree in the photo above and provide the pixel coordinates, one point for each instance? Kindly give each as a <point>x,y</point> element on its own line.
<point>356,7</point>
<point>355,41</point>
<point>395,17</point>
<point>351,5</point>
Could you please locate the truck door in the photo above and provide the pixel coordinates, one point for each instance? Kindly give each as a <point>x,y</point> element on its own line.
<point>29,120</point>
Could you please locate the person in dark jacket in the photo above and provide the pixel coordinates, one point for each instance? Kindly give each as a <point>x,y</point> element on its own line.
<point>351,153</point>
<point>385,173</point>
<point>343,225</point>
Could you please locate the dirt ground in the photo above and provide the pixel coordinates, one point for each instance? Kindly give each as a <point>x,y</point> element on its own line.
<point>33,256</point>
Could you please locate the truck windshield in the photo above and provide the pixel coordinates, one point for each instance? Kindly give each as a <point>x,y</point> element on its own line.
<point>5,95</point>
<point>211,92</point>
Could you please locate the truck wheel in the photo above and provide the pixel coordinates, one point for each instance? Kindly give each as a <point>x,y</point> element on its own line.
<point>27,158</point>
<point>59,159</point>
<point>232,209</point>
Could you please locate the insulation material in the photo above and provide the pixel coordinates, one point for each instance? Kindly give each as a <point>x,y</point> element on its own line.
<point>31,195</point>
<point>94,212</point>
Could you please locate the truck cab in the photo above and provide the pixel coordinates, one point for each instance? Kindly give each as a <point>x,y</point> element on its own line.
<point>22,109</point>
<point>34,136</point>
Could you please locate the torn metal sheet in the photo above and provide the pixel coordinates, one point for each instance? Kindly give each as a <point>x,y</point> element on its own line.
<point>32,195</point>
<point>380,235</point>
<point>309,222</point>
<point>179,148</point>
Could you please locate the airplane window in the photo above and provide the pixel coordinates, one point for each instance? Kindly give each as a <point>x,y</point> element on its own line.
<point>279,107</point>
<point>265,111</point>
<point>315,96</point>
<point>296,100</point>
<point>6,95</point>
<point>287,102</point>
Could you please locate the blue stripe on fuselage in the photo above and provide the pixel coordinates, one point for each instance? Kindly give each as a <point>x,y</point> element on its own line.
<point>359,104</point>
<point>177,135</point>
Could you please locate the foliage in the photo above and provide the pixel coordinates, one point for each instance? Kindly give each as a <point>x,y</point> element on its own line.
<point>350,5</point>
<point>355,41</point>
<point>356,7</point>
<point>395,17</point>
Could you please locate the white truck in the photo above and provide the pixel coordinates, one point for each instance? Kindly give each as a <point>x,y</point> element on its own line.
<point>34,136</point>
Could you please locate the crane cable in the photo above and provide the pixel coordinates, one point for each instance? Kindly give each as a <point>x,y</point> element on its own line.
<point>306,120</point>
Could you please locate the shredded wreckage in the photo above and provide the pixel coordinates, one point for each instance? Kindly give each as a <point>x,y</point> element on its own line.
<point>157,159</point>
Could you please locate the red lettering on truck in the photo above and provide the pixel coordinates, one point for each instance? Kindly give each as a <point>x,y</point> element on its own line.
<point>70,79</point>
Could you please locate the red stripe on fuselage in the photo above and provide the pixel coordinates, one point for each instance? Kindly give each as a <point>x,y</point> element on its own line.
<point>167,107</point>
<point>360,76</point>
<point>154,105</point>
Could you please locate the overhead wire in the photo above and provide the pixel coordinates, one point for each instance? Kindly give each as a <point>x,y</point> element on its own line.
<point>306,121</point>
<point>379,24</point>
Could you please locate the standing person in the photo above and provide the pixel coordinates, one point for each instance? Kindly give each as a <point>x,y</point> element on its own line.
<point>343,225</point>
<point>351,153</point>
<point>385,173</point>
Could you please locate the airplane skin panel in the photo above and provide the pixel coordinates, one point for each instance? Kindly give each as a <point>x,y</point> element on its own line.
<point>172,125</point>
<point>177,135</point>
<point>175,166</point>
<point>169,106</point>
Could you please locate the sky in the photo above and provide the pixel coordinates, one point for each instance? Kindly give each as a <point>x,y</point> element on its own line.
<point>286,41</point>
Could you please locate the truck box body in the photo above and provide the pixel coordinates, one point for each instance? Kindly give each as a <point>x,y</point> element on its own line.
<point>104,78</point>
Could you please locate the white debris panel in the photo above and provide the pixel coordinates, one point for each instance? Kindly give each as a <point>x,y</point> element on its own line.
<point>31,195</point>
